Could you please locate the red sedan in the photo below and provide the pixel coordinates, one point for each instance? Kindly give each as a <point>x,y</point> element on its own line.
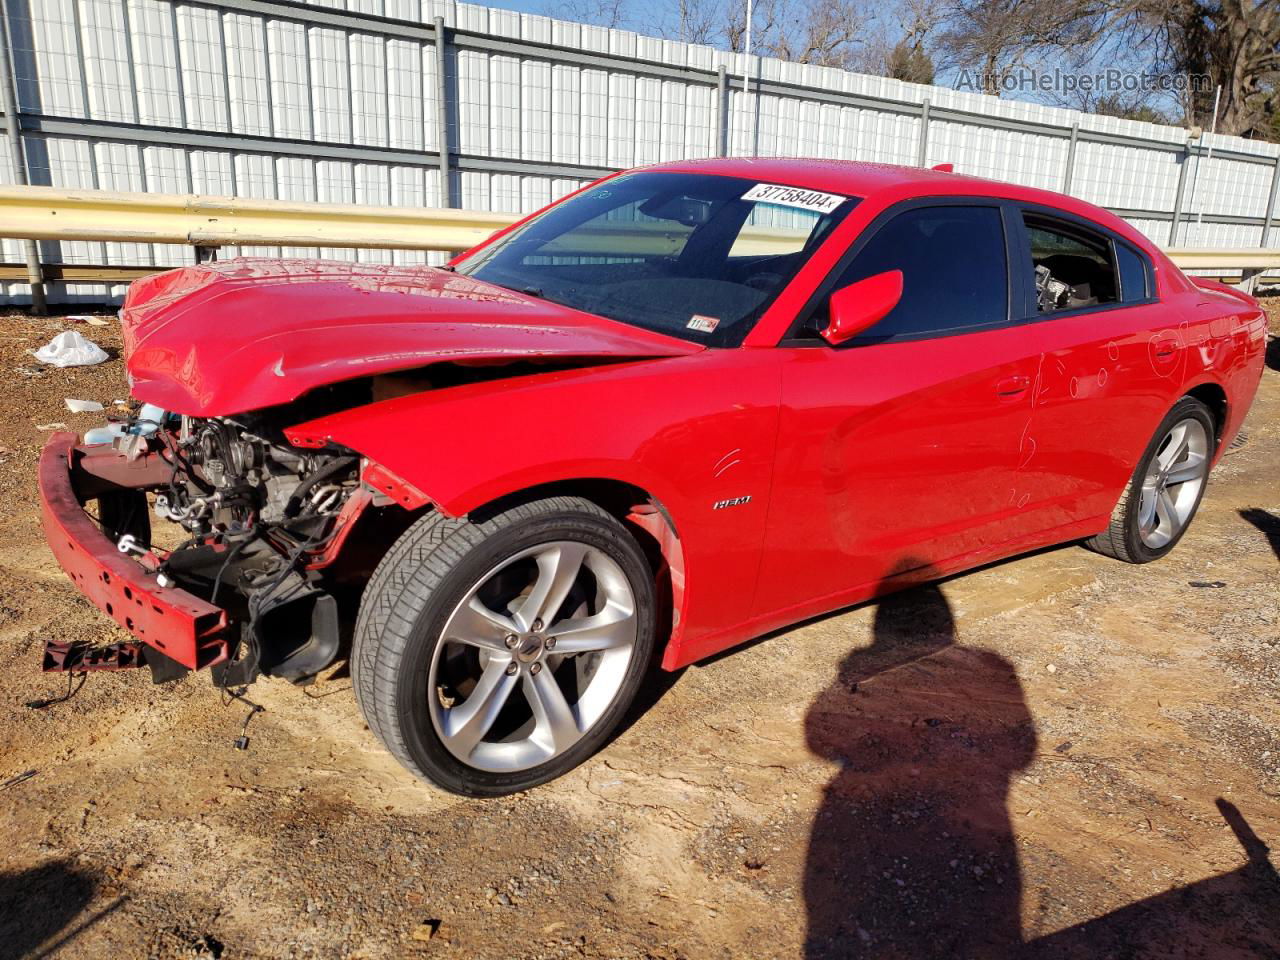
<point>680,408</point>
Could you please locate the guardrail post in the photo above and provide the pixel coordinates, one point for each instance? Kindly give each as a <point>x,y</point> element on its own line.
<point>922,146</point>
<point>1269,218</point>
<point>442,111</point>
<point>1178,193</point>
<point>722,111</point>
<point>1071,158</point>
<point>13,128</point>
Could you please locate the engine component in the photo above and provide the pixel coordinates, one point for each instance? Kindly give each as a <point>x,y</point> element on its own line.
<point>230,478</point>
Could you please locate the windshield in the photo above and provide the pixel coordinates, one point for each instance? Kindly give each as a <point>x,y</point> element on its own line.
<point>691,255</point>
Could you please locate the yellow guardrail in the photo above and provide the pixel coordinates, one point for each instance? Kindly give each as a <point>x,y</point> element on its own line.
<point>1246,258</point>
<point>50,213</point>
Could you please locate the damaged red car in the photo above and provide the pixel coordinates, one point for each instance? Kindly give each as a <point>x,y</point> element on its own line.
<point>681,408</point>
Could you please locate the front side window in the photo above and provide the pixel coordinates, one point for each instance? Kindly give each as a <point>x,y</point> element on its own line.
<point>691,255</point>
<point>954,271</point>
<point>1073,266</point>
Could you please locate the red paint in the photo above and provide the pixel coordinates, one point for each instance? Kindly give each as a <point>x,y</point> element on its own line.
<point>242,334</point>
<point>861,305</point>
<point>797,479</point>
<point>344,523</point>
<point>180,625</point>
<point>398,489</point>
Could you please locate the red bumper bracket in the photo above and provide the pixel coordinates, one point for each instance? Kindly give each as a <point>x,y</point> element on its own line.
<point>178,624</point>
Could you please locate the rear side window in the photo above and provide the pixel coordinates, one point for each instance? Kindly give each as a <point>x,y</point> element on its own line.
<point>1134,284</point>
<point>1072,265</point>
<point>954,271</point>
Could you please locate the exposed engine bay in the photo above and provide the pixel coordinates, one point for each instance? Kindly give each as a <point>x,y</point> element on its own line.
<point>231,479</point>
<point>259,516</point>
<point>259,523</point>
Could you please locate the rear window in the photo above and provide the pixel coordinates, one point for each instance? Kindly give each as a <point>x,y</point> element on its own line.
<point>1072,265</point>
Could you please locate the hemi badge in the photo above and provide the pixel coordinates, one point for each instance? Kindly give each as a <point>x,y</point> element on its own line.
<point>735,502</point>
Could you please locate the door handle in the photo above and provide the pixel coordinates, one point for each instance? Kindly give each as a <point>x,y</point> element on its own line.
<point>1012,386</point>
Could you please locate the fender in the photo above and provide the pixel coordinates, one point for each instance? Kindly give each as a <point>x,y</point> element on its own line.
<point>697,433</point>
<point>1225,347</point>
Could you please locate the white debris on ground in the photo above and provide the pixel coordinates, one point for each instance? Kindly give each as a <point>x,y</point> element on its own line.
<point>82,406</point>
<point>70,349</point>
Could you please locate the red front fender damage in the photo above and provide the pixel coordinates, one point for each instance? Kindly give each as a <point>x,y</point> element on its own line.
<point>172,621</point>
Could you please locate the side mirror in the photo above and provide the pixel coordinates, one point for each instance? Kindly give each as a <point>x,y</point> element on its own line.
<point>861,305</point>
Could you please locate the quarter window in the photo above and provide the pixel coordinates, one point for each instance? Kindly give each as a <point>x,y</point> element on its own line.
<point>1134,284</point>
<point>1072,266</point>
<point>954,271</point>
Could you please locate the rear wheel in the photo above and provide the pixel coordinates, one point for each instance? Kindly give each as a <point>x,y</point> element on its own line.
<point>1165,490</point>
<point>491,657</point>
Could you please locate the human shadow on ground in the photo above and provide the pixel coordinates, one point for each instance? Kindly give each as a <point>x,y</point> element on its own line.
<point>913,855</point>
<point>1268,523</point>
<point>38,904</point>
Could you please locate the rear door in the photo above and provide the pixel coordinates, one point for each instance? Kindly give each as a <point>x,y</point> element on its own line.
<point>1112,357</point>
<point>900,449</point>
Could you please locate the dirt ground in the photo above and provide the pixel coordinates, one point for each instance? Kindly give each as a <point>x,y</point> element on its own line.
<point>1059,756</point>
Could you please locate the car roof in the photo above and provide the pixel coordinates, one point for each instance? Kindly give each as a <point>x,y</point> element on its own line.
<point>891,182</point>
<point>854,177</point>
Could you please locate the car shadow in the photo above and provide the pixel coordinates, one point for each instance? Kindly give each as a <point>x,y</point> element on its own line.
<point>38,904</point>
<point>1268,523</point>
<point>912,853</point>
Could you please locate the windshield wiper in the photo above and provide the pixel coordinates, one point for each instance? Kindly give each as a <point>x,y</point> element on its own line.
<point>533,292</point>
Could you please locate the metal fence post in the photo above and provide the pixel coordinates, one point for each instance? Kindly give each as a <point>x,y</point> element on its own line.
<point>1071,158</point>
<point>923,146</point>
<point>722,111</point>
<point>9,105</point>
<point>1269,218</point>
<point>442,112</point>
<point>1178,194</point>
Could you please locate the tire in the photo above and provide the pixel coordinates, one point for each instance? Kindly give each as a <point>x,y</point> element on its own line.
<point>1144,526</point>
<point>422,652</point>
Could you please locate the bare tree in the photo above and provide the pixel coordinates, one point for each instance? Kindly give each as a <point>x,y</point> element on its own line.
<point>1234,43</point>
<point>698,21</point>
<point>910,58</point>
<point>995,37</point>
<point>598,13</point>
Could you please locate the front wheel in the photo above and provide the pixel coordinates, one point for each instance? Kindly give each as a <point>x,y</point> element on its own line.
<point>1165,490</point>
<point>491,657</point>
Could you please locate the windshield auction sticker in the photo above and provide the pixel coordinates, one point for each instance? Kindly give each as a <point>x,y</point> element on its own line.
<point>794,197</point>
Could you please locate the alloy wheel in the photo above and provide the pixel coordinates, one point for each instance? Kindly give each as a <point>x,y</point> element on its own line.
<point>1173,481</point>
<point>557,623</point>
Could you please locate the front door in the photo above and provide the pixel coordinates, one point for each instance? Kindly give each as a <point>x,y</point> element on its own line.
<point>900,449</point>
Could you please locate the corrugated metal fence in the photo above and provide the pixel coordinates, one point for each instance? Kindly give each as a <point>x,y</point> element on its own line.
<point>343,101</point>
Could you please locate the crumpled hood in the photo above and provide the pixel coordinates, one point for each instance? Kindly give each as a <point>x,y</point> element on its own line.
<point>243,334</point>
